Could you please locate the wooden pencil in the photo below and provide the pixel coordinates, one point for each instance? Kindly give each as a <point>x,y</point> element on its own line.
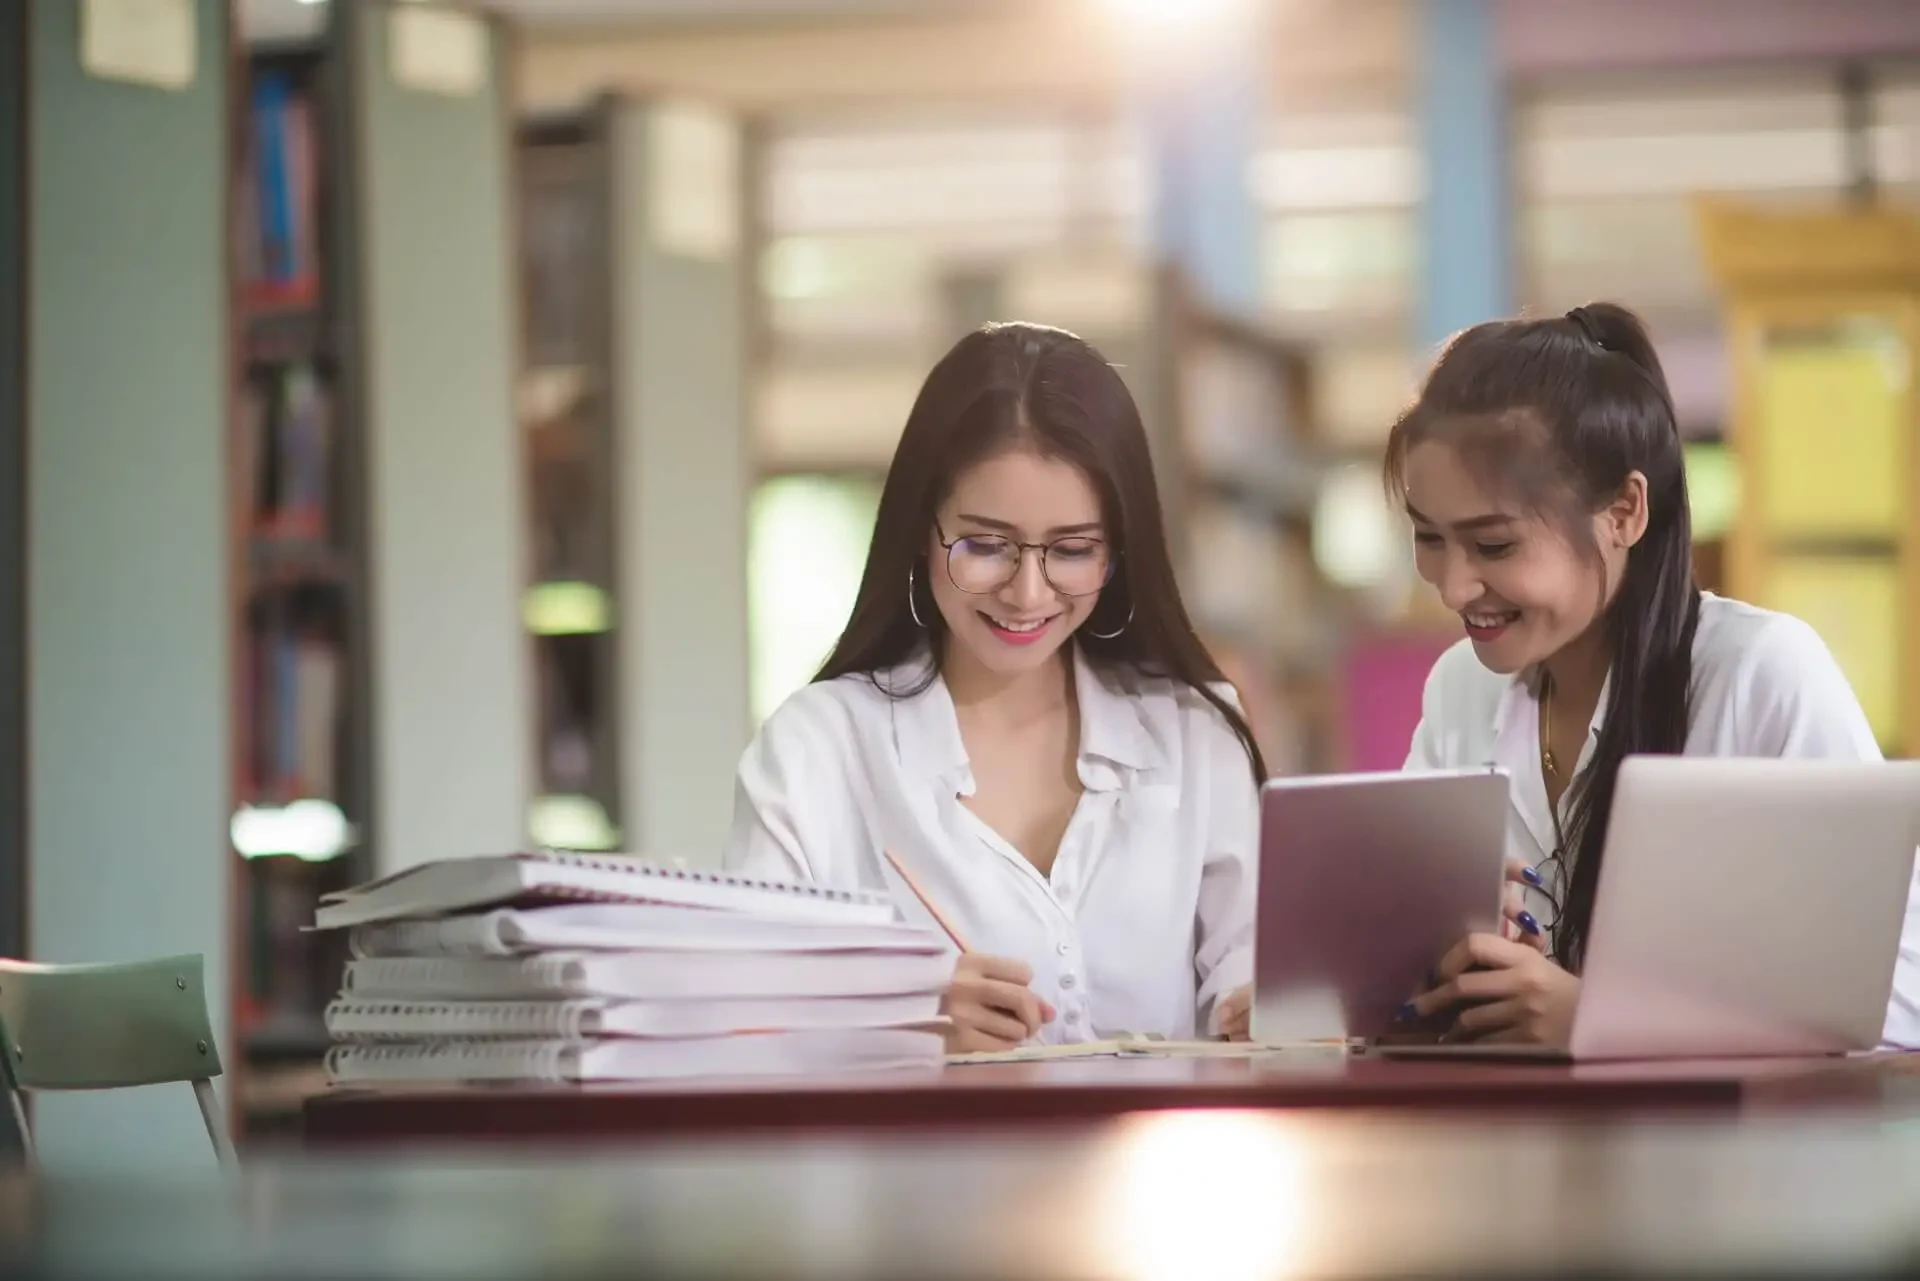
<point>927,902</point>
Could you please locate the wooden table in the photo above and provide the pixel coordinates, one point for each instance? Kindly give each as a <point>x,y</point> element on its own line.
<point>1169,1195</point>
<point>1080,1091</point>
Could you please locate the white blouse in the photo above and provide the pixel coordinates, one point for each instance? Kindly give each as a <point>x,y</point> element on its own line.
<point>1764,684</point>
<point>1147,918</point>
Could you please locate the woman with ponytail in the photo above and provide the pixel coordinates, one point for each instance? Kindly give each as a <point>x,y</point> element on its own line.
<point>1541,470</point>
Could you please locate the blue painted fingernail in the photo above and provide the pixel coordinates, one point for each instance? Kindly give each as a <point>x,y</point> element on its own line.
<point>1532,877</point>
<point>1407,1011</point>
<point>1528,924</point>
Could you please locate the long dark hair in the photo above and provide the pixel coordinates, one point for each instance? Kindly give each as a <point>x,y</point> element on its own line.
<point>1558,413</point>
<point>1007,385</point>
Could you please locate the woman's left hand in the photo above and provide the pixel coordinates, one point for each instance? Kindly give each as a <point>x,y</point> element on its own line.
<point>1520,925</point>
<point>1233,1018</point>
<point>1520,995</point>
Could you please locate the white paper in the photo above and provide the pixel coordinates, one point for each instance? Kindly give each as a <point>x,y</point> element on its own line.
<point>441,51</point>
<point>693,181</point>
<point>144,42</point>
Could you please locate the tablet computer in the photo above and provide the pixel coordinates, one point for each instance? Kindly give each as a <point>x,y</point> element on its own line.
<point>1365,881</point>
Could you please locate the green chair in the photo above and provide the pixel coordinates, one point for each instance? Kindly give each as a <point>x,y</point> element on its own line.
<point>109,1027</point>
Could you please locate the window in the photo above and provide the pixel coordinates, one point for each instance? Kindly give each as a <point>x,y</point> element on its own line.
<point>807,545</point>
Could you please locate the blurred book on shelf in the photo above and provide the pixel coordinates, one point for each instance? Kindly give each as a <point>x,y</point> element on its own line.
<point>566,397</point>
<point>279,247</point>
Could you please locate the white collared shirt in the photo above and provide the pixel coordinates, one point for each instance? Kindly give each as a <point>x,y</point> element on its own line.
<point>1147,917</point>
<point>1764,684</point>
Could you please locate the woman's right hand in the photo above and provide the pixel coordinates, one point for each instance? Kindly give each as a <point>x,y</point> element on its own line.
<point>990,1005</point>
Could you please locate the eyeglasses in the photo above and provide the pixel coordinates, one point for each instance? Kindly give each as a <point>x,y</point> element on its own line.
<point>1549,869</point>
<point>982,563</point>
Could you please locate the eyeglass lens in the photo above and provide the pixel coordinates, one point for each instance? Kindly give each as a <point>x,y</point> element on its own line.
<point>986,563</point>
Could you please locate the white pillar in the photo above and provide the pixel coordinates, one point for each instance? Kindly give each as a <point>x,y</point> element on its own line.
<point>127,608</point>
<point>683,474</point>
<point>1467,246</point>
<point>451,663</point>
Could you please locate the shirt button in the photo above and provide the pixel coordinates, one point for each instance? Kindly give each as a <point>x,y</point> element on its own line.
<point>1067,981</point>
<point>1073,1016</point>
<point>1064,948</point>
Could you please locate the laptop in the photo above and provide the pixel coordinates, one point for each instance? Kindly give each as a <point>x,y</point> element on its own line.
<point>1745,908</point>
<point>1365,881</point>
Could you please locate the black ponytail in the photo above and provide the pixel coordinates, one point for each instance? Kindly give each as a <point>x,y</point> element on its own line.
<point>1650,627</point>
<point>1564,411</point>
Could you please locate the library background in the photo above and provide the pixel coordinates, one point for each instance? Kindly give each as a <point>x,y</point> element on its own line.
<point>518,382</point>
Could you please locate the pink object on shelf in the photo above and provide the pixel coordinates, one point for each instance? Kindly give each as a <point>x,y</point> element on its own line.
<point>1383,680</point>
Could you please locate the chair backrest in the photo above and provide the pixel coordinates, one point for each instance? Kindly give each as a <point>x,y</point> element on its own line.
<point>105,1027</point>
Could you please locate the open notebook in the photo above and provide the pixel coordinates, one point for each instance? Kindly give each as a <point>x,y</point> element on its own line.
<point>789,1053</point>
<point>466,884</point>
<point>1149,1047</point>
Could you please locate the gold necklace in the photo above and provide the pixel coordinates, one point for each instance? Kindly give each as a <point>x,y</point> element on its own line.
<point>1547,763</point>
<point>1550,768</point>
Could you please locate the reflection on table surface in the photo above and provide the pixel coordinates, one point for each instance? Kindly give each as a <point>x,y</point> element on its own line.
<point>1077,1093</point>
<point>1314,1063</point>
<point>1214,1194</point>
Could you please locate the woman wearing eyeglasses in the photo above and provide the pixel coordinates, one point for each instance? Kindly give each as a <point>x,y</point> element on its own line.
<point>1541,469</point>
<point>1019,711</point>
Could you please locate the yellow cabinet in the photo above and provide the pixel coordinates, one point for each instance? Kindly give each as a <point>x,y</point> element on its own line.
<point>1823,322</point>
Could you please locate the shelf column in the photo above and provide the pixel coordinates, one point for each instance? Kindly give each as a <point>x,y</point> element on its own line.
<point>115,226</point>
<point>1203,108</point>
<point>683,473</point>
<point>432,269</point>
<point>1466,244</point>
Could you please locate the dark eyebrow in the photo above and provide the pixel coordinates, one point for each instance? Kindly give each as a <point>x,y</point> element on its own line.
<point>1492,520</point>
<point>1058,531</point>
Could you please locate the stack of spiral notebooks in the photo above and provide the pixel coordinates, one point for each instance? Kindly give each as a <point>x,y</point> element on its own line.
<point>557,967</point>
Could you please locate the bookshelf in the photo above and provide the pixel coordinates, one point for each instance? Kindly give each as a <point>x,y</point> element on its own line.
<point>1244,472</point>
<point>632,450</point>
<point>565,403</point>
<point>301,762</point>
<point>374,495</point>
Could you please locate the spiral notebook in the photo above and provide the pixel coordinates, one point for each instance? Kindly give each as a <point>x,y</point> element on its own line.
<point>466,884</point>
<point>648,975</point>
<point>575,1020</point>
<point>792,1053</point>
<point>619,927</point>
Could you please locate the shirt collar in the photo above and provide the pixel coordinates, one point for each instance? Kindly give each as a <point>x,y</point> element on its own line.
<point>1525,686</point>
<point>1114,734</point>
<point>1115,737</point>
<point>925,730</point>
<point>1516,749</point>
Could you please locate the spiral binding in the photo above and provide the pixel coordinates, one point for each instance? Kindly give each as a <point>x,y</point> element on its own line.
<point>456,1060</point>
<point>427,1020</point>
<point>724,880</point>
<point>447,977</point>
<point>463,935</point>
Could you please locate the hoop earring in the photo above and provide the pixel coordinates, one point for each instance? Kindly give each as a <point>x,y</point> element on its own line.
<point>1116,631</point>
<point>912,607</point>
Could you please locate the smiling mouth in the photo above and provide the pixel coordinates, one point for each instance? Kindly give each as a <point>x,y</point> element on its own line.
<point>1484,624</point>
<point>1017,631</point>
